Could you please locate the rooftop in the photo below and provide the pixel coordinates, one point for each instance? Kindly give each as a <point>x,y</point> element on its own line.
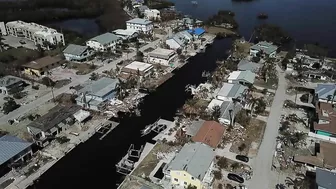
<point>100,87</point>
<point>210,133</point>
<point>197,31</point>
<point>32,27</point>
<point>194,127</point>
<point>9,80</point>
<point>247,76</point>
<point>10,146</point>
<point>105,38</point>
<point>54,116</point>
<point>125,32</point>
<point>141,66</point>
<point>139,21</point>
<point>226,106</point>
<point>232,90</point>
<point>75,49</point>
<point>194,158</point>
<point>248,65</point>
<point>43,62</point>
<point>264,46</point>
<point>325,179</point>
<point>327,118</point>
<point>162,53</point>
<point>325,90</point>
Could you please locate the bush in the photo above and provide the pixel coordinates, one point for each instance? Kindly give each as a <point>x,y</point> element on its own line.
<point>223,163</point>
<point>242,147</point>
<point>218,175</point>
<point>35,87</point>
<point>10,105</point>
<point>48,82</point>
<point>242,118</point>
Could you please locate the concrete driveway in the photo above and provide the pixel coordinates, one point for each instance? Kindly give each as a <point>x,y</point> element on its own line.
<point>263,177</point>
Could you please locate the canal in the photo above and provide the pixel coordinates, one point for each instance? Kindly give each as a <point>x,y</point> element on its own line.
<point>92,164</point>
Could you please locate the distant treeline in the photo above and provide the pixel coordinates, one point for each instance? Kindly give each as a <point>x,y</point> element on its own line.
<point>223,17</point>
<point>49,10</point>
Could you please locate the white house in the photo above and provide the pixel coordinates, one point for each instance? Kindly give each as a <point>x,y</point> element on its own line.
<point>231,91</point>
<point>141,68</point>
<point>267,48</point>
<point>104,42</point>
<point>152,14</point>
<point>77,52</point>
<point>3,29</point>
<point>179,40</point>
<point>162,56</point>
<point>141,25</point>
<point>126,34</point>
<point>242,77</point>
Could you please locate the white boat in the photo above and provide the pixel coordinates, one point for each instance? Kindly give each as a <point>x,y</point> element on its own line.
<point>194,2</point>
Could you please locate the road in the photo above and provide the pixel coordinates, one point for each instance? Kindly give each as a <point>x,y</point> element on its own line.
<point>262,174</point>
<point>40,101</point>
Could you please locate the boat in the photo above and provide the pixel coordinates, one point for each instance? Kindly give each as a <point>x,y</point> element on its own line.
<point>262,16</point>
<point>194,2</point>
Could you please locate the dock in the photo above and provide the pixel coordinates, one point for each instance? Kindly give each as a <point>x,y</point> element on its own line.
<point>106,128</point>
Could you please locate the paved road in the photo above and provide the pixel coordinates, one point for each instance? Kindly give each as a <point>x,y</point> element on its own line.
<point>262,174</point>
<point>40,101</point>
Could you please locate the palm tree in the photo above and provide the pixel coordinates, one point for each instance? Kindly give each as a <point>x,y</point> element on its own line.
<point>300,182</point>
<point>191,107</point>
<point>216,112</point>
<point>333,96</point>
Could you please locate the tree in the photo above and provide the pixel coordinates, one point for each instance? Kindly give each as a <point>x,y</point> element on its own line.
<point>242,118</point>
<point>220,186</point>
<point>242,147</point>
<point>218,175</point>
<point>316,65</point>
<point>40,50</point>
<point>261,106</point>
<point>216,112</point>
<point>48,82</point>
<point>300,182</point>
<point>9,105</point>
<point>139,56</point>
<point>93,76</point>
<point>179,51</point>
<point>191,187</point>
<point>222,162</point>
<point>229,186</point>
<point>235,165</point>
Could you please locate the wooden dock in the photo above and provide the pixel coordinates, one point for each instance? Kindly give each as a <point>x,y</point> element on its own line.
<point>106,128</point>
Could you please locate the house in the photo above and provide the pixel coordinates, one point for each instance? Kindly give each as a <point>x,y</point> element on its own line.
<point>325,179</point>
<point>77,52</point>
<point>316,75</point>
<point>193,165</point>
<point>94,95</point>
<point>192,129</point>
<point>126,34</point>
<point>228,111</point>
<point>264,47</point>
<point>34,32</point>
<point>326,123</point>
<point>41,66</point>
<point>231,91</point>
<point>52,123</point>
<point>162,56</point>
<point>324,157</point>
<point>197,32</point>
<point>245,65</point>
<point>141,25</point>
<point>243,77</point>
<point>210,133</point>
<point>179,40</point>
<point>10,84</point>
<point>152,14</point>
<point>190,23</point>
<point>325,92</point>
<point>142,8</point>
<point>3,31</point>
<point>104,42</point>
<point>137,68</point>
<point>13,150</point>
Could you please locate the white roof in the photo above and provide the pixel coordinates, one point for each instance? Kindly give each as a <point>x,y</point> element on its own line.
<point>81,115</point>
<point>141,66</point>
<point>125,32</point>
<point>234,75</point>
<point>152,10</point>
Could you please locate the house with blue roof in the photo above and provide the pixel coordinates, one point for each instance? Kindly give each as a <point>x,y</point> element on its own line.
<point>13,150</point>
<point>196,32</point>
<point>325,92</point>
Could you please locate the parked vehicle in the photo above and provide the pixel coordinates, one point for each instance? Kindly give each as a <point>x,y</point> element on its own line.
<point>22,42</point>
<point>242,158</point>
<point>235,177</point>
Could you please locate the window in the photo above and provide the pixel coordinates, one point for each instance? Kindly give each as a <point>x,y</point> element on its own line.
<point>185,183</point>
<point>192,178</point>
<point>175,179</point>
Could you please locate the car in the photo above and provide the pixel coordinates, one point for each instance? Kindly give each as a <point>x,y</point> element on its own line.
<point>235,177</point>
<point>22,42</point>
<point>242,158</point>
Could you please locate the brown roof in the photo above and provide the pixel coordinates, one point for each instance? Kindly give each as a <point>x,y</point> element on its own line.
<point>326,157</point>
<point>325,112</point>
<point>210,133</point>
<point>42,62</point>
<point>328,153</point>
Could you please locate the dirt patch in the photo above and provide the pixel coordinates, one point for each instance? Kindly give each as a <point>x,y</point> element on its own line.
<point>159,31</point>
<point>261,83</point>
<point>82,68</point>
<point>151,160</point>
<point>216,30</point>
<point>253,133</point>
<point>232,166</point>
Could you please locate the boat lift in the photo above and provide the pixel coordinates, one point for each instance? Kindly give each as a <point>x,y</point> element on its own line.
<point>156,127</point>
<point>125,166</point>
<point>134,153</point>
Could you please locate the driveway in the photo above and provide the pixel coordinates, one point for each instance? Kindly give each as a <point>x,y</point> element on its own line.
<point>262,174</point>
<point>230,155</point>
<point>81,79</point>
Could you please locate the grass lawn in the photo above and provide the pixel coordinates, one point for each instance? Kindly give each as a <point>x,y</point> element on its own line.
<point>82,68</point>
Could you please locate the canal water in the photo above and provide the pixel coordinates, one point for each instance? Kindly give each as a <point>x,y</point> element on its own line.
<point>92,164</point>
<point>307,21</point>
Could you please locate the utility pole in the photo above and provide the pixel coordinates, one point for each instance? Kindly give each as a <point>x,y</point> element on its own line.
<point>52,88</point>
